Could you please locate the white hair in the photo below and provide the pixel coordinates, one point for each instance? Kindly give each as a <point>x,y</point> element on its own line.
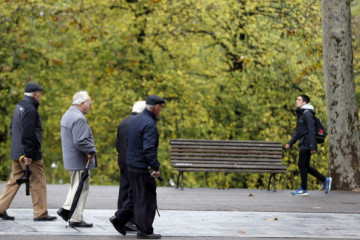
<point>149,107</point>
<point>29,94</point>
<point>139,106</point>
<point>80,97</point>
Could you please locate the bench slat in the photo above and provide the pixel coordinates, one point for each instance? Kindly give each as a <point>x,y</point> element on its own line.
<point>243,166</point>
<point>234,156</point>
<point>225,163</point>
<point>231,170</point>
<point>192,159</point>
<point>259,151</point>
<point>226,146</point>
<point>214,142</point>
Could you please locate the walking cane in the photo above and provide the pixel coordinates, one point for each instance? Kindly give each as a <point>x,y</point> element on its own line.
<point>161,179</point>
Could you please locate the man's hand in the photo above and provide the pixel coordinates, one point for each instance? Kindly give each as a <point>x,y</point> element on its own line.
<point>155,174</point>
<point>287,146</point>
<point>90,156</point>
<point>27,160</point>
<point>312,152</point>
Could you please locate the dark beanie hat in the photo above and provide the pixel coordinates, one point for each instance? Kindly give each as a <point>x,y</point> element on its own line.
<point>153,100</point>
<point>33,87</point>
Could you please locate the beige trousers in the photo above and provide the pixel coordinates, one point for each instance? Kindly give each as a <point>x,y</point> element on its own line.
<point>74,183</point>
<point>37,187</point>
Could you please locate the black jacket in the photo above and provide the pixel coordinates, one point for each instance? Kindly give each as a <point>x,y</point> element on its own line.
<point>143,141</point>
<point>121,140</point>
<point>26,130</point>
<point>305,130</point>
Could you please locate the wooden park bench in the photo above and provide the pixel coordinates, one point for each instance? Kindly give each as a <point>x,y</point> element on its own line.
<point>228,156</point>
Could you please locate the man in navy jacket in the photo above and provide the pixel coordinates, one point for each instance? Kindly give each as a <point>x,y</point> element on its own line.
<point>26,140</point>
<point>143,141</point>
<point>305,132</point>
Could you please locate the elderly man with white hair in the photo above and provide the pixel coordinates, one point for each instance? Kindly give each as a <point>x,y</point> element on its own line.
<point>77,147</point>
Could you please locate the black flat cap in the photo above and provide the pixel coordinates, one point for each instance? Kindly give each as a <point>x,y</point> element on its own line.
<point>153,100</point>
<point>33,87</point>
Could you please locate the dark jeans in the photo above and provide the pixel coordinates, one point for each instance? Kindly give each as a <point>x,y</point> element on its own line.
<point>305,169</point>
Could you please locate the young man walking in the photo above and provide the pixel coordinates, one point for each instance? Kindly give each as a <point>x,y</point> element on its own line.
<point>305,132</point>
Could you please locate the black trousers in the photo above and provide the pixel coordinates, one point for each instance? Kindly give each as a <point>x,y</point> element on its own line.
<point>305,169</point>
<point>145,205</point>
<point>125,204</point>
<point>125,192</point>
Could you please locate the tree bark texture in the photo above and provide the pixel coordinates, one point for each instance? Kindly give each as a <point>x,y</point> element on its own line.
<point>341,103</point>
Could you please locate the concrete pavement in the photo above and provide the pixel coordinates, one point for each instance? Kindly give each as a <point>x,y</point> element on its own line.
<point>201,214</point>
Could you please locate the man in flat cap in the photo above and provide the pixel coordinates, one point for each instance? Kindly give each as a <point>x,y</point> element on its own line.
<point>143,141</point>
<point>26,140</point>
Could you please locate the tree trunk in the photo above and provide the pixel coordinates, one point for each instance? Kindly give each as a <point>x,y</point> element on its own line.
<point>341,103</point>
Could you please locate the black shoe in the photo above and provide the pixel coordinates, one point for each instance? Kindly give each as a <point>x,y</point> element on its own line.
<point>6,217</point>
<point>47,218</point>
<point>131,227</point>
<point>64,214</point>
<point>148,236</point>
<point>80,224</point>
<point>117,226</point>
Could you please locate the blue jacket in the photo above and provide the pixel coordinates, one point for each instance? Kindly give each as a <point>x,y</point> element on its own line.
<point>26,130</point>
<point>143,141</point>
<point>305,130</point>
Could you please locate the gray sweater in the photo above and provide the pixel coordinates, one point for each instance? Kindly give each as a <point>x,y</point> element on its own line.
<point>77,140</point>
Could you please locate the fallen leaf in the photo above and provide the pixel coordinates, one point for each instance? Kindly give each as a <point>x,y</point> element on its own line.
<point>272,219</point>
<point>316,208</point>
<point>242,232</point>
<point>331,229</point>
<point>251,195</point>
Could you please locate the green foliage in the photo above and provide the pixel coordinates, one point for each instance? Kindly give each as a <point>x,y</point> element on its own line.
<point>227,69</point>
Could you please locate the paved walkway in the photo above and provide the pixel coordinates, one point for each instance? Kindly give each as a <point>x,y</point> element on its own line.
<point>201,214</point>
<point>173,223</point>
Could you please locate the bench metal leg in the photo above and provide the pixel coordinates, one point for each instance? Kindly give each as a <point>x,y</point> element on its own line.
<point>181,173</point>
<point>182,180</point>
<point>177,182</point>
<point>268,188</point>
<point>272,175</point>
<point>274,183</point>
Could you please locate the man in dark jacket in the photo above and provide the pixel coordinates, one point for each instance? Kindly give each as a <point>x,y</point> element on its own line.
<point>125,191</point>
<point>143,141</point>
<point>305,132</point>
<point>26,140</point>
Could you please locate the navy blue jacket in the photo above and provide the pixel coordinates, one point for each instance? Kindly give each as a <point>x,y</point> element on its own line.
<point>305,130</point>
<point>143,142</point>
<point>26,130</point>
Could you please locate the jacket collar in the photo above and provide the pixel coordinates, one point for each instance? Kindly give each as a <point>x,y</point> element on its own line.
<point>306,107</point>
<point>152,115</point>
<point>32,101</point>
<point>73,108</point>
